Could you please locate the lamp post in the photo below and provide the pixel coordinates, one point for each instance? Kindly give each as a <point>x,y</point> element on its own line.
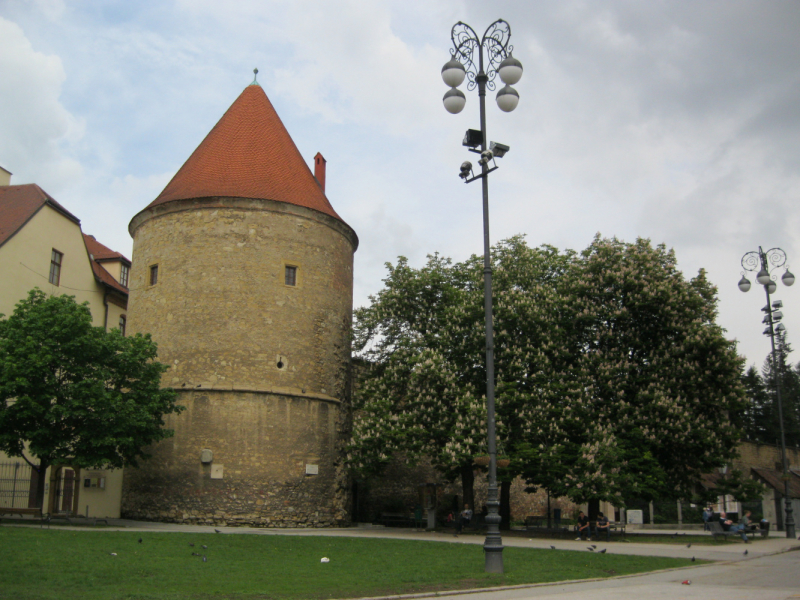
<point>774,258</point>
<point>468,62</point>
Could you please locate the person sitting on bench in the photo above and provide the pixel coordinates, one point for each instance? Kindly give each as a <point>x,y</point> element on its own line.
<point>583,526</point>
<point>746,523</point>
<point>727,525</point>
<point>602,526</point>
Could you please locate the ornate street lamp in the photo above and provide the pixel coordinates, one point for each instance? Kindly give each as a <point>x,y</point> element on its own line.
<point>774,258</point>
<point>467,62</point>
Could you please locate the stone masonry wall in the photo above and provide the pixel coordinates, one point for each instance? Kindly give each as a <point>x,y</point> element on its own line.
<point>260,444</point>
<point>764,456</point>
<point>261,366</point>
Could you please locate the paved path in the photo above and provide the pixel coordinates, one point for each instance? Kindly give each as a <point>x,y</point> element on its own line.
<point>775,577</point>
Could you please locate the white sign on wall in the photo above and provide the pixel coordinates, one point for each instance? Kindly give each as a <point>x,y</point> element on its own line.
<point>635,517</point>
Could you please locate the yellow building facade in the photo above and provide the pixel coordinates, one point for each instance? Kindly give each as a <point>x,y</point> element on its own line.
<point>42,246</point>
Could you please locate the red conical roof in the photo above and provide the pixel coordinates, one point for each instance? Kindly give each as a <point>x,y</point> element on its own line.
<point>248,154</point>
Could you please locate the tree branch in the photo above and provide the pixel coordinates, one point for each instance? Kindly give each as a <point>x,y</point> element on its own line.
<point>25,458</point>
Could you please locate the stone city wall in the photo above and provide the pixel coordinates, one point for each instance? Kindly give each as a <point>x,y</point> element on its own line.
<point>764,456</point>
<point>274,465</point>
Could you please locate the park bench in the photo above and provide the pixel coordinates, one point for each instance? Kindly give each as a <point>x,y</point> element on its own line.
<point>613,527</point>
<point>34,512</point>
<point>395,520</point>
<point>716,529</point>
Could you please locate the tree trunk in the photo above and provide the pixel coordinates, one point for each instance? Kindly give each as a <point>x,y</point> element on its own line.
<point>505,505</point>
<point>594,508</point>
<point>468,486</point>
<point>40,485</point>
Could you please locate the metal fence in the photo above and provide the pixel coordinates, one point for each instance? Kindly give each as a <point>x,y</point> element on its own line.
<point>17,485</point>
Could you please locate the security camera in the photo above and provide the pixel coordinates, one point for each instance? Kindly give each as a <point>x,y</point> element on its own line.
<point>498,149</point>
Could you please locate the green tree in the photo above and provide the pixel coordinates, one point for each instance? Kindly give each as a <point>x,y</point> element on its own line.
<point>613,380</point>
<point>760,418</point>
<point>659,379</point>
<point>789,378</point>
<point>416,396</point>
<point>74,393</point>
<point>423,393</point>
<point>759,411</point>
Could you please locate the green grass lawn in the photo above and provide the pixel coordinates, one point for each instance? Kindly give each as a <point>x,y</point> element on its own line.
<point>58,564</point>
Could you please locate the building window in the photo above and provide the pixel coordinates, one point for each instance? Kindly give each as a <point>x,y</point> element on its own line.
<point>123,275</point>
<point>55,266</point>
<point>154,275</point>
<point>122,322</point>
<point>290,276</point>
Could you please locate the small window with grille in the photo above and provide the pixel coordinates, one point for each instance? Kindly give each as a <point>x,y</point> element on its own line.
<point>290,275</point>
<point>153,274</point>
<point>122,322</point>
<point>56,259</point>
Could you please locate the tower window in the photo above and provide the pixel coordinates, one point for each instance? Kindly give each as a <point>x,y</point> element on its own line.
<point>153,274</point>
<point>55,266</point>
<point>290,276</point>
<point>122,323</point>
<point>123,275</point>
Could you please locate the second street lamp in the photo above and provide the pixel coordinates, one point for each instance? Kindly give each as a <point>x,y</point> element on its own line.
<point>467,62</point>
<point>773,258</point>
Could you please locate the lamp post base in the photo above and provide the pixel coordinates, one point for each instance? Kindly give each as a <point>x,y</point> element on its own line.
<point>493,544</point>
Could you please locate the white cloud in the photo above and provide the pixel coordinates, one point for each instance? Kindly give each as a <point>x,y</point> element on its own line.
<point>676,121</point>
<point>36,129</point>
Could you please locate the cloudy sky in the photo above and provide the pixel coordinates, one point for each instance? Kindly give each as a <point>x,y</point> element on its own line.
<point>675,121</point>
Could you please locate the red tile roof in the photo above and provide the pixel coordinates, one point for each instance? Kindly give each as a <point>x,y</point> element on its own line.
<point>101,252</point>
<point>774,479</point>
<point>248,154</point>
<point>98,252</point>
<point>18,203</point>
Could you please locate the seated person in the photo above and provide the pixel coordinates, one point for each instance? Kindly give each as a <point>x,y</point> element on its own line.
<point>727,525</point>
<point>602,526</point>
<point>583,527</point>
<point>746,523</point>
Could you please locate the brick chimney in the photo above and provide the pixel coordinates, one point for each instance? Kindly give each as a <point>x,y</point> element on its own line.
<point>319,170</point>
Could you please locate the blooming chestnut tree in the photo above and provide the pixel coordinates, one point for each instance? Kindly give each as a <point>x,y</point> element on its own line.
<point>612,379</point>
<point>659,379</point>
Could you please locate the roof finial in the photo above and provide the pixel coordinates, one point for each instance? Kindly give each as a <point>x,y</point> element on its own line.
<point>255,76</point>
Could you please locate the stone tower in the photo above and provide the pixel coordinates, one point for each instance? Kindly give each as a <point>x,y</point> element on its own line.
<point>243,274</point>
